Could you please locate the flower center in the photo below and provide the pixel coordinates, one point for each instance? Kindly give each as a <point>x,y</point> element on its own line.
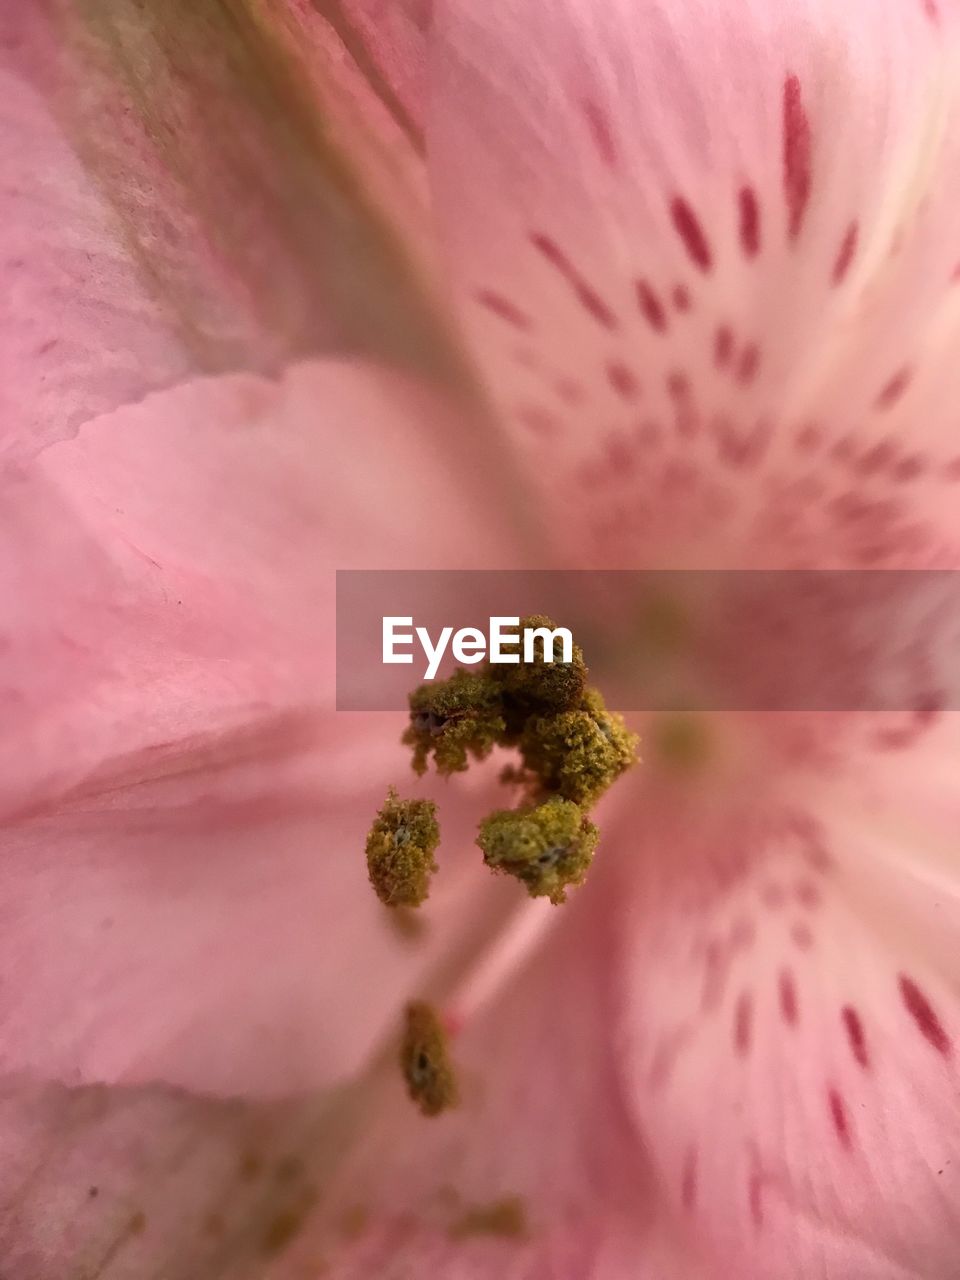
<point>571,749</point>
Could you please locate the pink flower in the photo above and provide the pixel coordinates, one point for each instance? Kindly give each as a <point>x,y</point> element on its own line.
<point>703,257</point>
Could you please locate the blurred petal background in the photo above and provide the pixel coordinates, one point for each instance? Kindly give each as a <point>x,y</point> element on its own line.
<point>294,287</point>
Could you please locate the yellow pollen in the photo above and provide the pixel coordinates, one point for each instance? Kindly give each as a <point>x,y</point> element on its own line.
<point>425,1060</point>
<point>680,742</point>
<point>400,849</point>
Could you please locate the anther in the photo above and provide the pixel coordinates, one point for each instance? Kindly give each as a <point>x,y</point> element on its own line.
<point>547,847</point>
<point>400,849</point>
<point>578,754</point>
<point>541,686</point>
<point>450,719</point>
<point>425,1060</point>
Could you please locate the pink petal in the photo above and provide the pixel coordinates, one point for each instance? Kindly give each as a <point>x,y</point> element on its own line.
<point>217,930</point>
<point>708,260</point>
<point>184,222</point>
<point>359,1182</point>
<point>183,868</point>
<point>171,569</point>
<point>794,1012</point>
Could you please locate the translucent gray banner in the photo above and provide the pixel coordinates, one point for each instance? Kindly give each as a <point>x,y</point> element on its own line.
<point>802,640</point>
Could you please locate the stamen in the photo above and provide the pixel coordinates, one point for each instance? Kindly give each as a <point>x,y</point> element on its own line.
<point>451,718</point>
<point>425,1061</point>
<point>541,686</point>
<point>547,847</point>
<point>505,1218</point>
<point>579,754</point>
<point>400,849</point>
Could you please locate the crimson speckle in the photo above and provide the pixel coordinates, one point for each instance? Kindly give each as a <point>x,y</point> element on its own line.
<point>586,294</point>
<point>923,1014</point>
<point>743,934</point>
<point>749,209</point>
<point>894,389</point>
<point>788,997</point>
<point>755,1196</point>
<point>808,439</point>
<point>907,469</point>
<point>838,1114</point>
<point>540,421</point>
<point>722,346</point>
<point>802,937</point>
<point>569,391</point>
<point>688,1187</point>
<point>808,895</point>
<point>931,10</point>
<point>678,385</point>
<point>688,228</point>
<point>681,297</point>
<point>773,896</point>
<point>854,1030</point>
<point>651,306</point>
<point>504,309</point>
<point>601,132</point>
<point>620,457</point>
<point>649,434</point>
<point>797,155</point>
<point>875,459</point>
<point>743,1024</point>
<point>845,254</point>
<point>748,364</point>
<point>623,380</point>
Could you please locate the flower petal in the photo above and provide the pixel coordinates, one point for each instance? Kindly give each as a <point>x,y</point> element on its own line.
<point>185,891</point>
<point>537,1175</point>
<point>719,300</point>
<point>172,567</point>
<point>196,190</point>
<point>790,1049</point>
<point>217,930</point>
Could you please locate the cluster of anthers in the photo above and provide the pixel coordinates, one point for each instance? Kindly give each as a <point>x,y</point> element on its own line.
<point>571,749</point>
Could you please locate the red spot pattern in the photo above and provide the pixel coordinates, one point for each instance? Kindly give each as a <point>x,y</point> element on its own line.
<point>743,1024</point>
<point>788,997</point>
<point>586,294</point>
<point>688,1186</point>
<point>838,1114</point>
<point>688,228</point>
<point>504,308</point>
<point>876,459</point>
<point>773,896</point>
<point>749,222</point>
<point>923,1014</point>
<point>651,306</point>
<point>845,254</point>
<point>894,389</point>
<point>539,421</point>
<point>623,380</point>
<point>681,297</point>
<point>802,937</point>
<point>755,1196</point>
<point>854,1030</point>
<point>570,391</point>
<point>808,895</point>
<point>808,439</point>
<point>601,132</point>
<point>748,364</point>
<point>910,468</point>
<point>722,346</point>
<point>797,160</point>
<point>932,11</point>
